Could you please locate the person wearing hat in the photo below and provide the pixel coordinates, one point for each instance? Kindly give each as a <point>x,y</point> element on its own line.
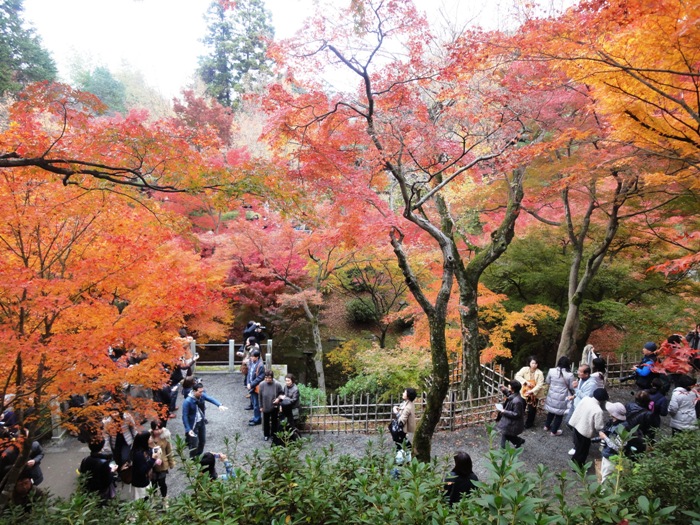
<point>643,372</point>
<point>610,437</point>
<point>587,421</point>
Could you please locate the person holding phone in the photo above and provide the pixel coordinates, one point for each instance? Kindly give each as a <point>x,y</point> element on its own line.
<point>162,447</point>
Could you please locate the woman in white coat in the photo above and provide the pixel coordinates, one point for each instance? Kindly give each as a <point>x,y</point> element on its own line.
<point>560,381</point>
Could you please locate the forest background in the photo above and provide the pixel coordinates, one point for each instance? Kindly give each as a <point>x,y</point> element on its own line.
<point>469,196</point>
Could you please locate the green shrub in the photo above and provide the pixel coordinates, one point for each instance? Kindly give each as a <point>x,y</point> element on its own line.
<point>361,312</point>
<point>670,474</point>
<point>293,485</point>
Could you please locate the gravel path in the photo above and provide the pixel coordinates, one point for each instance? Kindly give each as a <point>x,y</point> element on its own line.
<point>539,448</point>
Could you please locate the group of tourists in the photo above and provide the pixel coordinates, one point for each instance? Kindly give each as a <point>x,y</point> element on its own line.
<point>124,451</point>
<point>584,400</point>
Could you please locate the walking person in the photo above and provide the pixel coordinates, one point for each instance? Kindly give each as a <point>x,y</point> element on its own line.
<point>561,386</point>
<point>405,413</point>
<point>193,418</point>
<point>269,392</point>
<point>532,380</point>
<point>256,374</point>
<point>587,421</point>
<point>511,415</point>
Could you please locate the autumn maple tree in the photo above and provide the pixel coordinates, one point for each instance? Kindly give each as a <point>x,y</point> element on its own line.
<point>89,260</point>
<point>421,139</point>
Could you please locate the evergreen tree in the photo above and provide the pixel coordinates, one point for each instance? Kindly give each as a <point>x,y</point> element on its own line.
<point>101,83</point>
<point>22,58</point>
<point>237,43</point>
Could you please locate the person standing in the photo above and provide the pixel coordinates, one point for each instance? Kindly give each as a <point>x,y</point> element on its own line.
<point>511,416</point>
<point>587,421</point>
<point>101,473</point>
<point>289,400</point>
<point>405,413</point>
<point>256,374</point>
<point>643,373</point>
<point>142,460</point>
<point>561,386</point>
<point>34,463</point>
<point>163,447</point>
<point>119,430</point>
<point>583,388</point>
<point>193,418</point>
<point>269,392</point>
<point>532,380</point>
<point>682,405</point>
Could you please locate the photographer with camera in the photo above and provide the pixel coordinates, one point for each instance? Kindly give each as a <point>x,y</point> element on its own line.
<point>256,331</point>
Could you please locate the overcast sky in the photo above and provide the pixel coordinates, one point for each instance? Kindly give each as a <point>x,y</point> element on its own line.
<point>162,38</point>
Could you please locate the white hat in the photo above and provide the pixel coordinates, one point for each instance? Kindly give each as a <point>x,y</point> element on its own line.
<point>616,410</point>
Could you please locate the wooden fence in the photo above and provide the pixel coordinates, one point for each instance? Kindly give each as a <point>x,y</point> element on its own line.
<point>364,414</point>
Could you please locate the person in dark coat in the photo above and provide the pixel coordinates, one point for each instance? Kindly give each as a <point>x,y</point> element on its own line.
<point>99,471</point>
<point>511,421</point>
<point>142,460</point>
<point>639,413</point>
<point>34,463</point>
<point>659,408</point>
<point>460,481</point>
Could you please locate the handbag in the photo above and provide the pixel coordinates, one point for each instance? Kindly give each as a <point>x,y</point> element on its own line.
<point>396,430</point>
<point>126,473</point>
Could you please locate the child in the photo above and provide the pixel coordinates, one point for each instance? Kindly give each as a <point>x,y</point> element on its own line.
<point>610,437</point>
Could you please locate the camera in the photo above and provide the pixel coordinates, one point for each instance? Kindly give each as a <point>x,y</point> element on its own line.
<point>261,327</point>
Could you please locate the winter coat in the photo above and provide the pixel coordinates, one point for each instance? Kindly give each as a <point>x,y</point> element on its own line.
<point>37,454</point>
<point>166,455</point>
<point>267,393</point>
<point>291,396</point>
<point>407,416</point>
<point>512,422</point>
<point>560,381</point>
<point>190,406</point>
<point>612,442</point>
<point>584,389</point>
<point>682,409</point>
<point>142,462</point>
<point>100,473</point>
<point>638,416</point>
<point>588,418</point>
<point>526,375</point>
<point>660,408</point>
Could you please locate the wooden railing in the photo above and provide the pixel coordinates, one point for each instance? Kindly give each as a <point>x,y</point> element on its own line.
<point>364,414</point>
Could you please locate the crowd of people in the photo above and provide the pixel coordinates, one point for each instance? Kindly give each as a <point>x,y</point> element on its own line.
<point>139,452</point>
<point>125,450</point>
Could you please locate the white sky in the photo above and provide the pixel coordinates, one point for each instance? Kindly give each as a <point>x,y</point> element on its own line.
<point>162,38</point>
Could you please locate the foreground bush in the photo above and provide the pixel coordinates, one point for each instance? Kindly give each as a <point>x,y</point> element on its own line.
<point>294,485</point>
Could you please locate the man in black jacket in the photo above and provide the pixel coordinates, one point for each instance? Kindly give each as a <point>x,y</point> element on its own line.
<point>100,472</point>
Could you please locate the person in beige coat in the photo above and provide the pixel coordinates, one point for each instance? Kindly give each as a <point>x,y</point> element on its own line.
<point>532,380</point>
<point>406,414</point>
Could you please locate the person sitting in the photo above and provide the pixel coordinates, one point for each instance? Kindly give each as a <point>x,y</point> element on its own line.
<point>460,481</point>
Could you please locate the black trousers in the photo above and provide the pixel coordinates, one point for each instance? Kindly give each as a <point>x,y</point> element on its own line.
<point>582,444</point>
